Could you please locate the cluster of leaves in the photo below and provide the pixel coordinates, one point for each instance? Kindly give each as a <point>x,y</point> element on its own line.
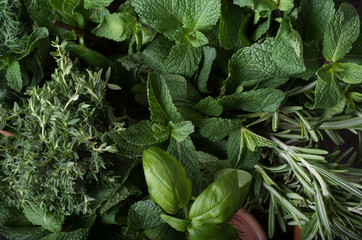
<point>224,81</point>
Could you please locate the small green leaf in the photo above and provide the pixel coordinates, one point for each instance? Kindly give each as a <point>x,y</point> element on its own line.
<point>117,26</point>
<point>327,92</point>
<point>144,215</point>
<point>230,22</point>
<point>13,76</point>
<point>216,129</point>
<point>260,100</point>
<point>43,218</point>
<point>349,72</point>
<point>209,55</point>
<point>209,106</point>
<point>96,3</point>
<point>180,131</point>
<point>80,234</point>
<point>321,209</point>
<point>197,39</point>
<point>113,86</point>
<point>222,198</point>
<point>288,50</point>
<point>67,6</point>
<point>183,59</point>
<point>211,231</point>
<point>177,223</point>
<point>160,102</point>
<point>166,179</point>
<point>314,18</point>
<point>341,32</point>
<point>34,38</point>
<point>145,133</point>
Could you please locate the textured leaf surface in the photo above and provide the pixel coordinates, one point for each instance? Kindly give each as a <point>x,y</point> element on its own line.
<point>13,76</point>
<point>180,131</point>
<point>159,99</point>
<point>45,219</point>
<point>34,38</point>
<point>261,100</point>
<point>209,106</point>
<point>144,215</point>
<point>349,72</point>
<point>314,18</point>
<point>183,59</point>
<point>96,3</point>
<point>216,129</point>
<point>341,32</point>
<point>230,22</point>
<point>117,26</point>
<point>163,232</point>
<point>327,92</point>
<point>209,55</point>
<point>80,234</point>
<point>185,153</point>
<point>238,153</point>
<point>288,50</point>
<point>145,133</point>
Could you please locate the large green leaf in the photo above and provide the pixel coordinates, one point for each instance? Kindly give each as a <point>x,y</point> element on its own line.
<point>341,32</point>
<point>80,234</point>
<point>327,92</point>
<point>211,231</point>
<point>230,22</point>
<point>314,18</point>
<point>216,129</point>
<point>349,72</point>
<point>47,220</point>
<point>222,198</point>
<point>260,100</point>
<point>159,99</point>
<point>288,50</point>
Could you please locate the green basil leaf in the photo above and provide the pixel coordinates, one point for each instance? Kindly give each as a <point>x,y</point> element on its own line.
<point>210,231</point>
<point>177,223</point>
<point>166,179</point>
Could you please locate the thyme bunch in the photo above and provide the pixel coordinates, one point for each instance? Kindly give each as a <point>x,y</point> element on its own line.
<point>61,147</point>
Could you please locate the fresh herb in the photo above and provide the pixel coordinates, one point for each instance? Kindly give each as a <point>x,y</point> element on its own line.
<point>160,119</point>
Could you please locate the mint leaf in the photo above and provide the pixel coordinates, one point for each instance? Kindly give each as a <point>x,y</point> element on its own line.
<point>349,72</point>
<point>181,90</point>
<point>230,22</point>
<point>144,215</point>
<point>341,32</point>
<point>285,5</point>
<point>43,218</point>
<point>185,153</point>
<point>180,131</point>
<point>253,140</point>
<point>96,3</point>
<point>209,55</point>
<point>201,14</point>
<point>197,39</point>
<point>163,232</point>
<point>156,53</point>
<point>117,26</point>
<point>34,38</point>
<point>23,233</point>
<point>327,92</point>
<point>183,59</point>
<point>13,76</point>
<point>67,6</point>
<point>216,129</point>
<point>251,65</point>
<point>209,107</point>
<point>238,153</point>
<point>314,18</point>
<point>260,100</point>
<point>259,5</point>
<point>160,101</point>
<point>261,28</point>
<point>288,50</point>
<point>80,234</point>
<point>163,15</point>
<point>145,133</point>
